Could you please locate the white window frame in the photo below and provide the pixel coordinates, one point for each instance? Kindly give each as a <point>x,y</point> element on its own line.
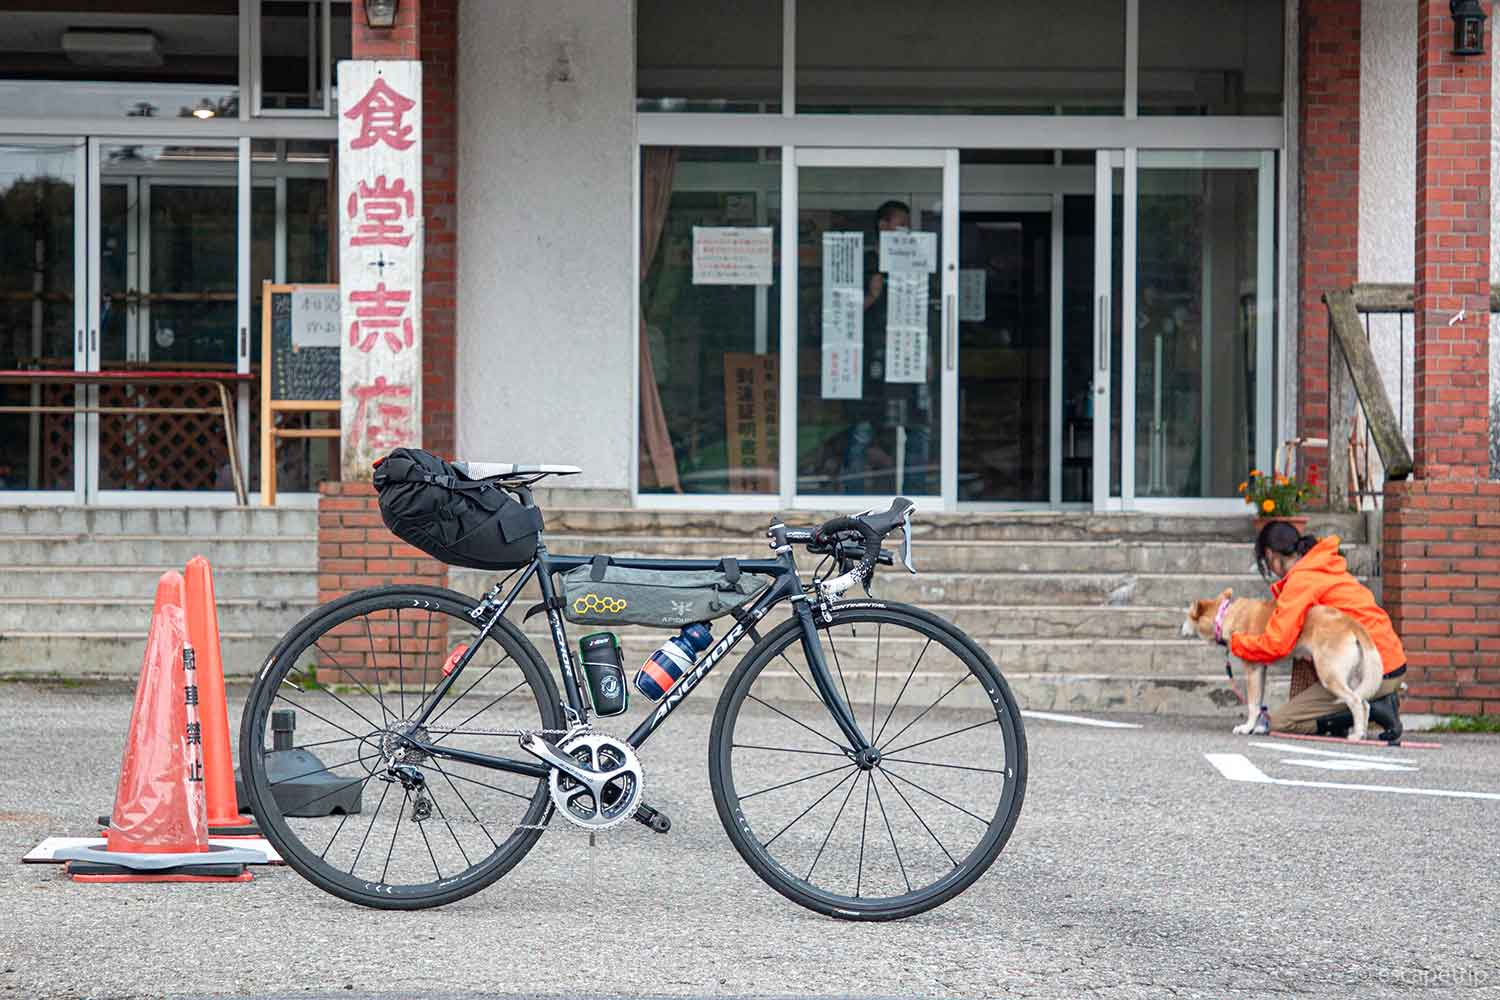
<point>1263,137</point>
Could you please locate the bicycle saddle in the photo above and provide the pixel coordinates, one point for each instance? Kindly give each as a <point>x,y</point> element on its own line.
<point>510,470</point>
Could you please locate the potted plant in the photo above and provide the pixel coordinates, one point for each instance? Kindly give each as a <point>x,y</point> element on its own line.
<point>1279,496</point>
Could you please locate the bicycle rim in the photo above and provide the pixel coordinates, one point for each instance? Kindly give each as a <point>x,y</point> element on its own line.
<point>352,678</point>
<point>894,839</point>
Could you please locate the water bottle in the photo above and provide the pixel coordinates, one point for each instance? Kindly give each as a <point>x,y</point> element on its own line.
<point>671,660</point>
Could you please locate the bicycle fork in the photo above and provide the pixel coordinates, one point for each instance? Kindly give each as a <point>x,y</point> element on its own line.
<point>861,751</point>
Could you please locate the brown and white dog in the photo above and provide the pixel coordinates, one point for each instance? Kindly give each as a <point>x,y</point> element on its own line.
<point>1347,662</point>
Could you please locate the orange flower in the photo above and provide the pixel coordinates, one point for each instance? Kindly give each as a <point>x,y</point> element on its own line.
<point>1254,473</point>
<point>1281,480</point>
<point>1268,505</point>
<point>1242,486</point>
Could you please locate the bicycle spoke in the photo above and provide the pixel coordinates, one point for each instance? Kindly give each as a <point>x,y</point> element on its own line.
<point>354,676</point>
<point>373,817</point>
<point>831,790</point>
<point>423,831</point>
<point>935,795</point>
<point>804,680</point>
<point>829,835</point>
<point>315,715</point>
<point>817,753</point>
<point>842,683</point>
<point>899,863</point>
<point>405,799</point>
<point>307,774</point>
<point>934,739</point>
<point>451,832</point>
<point>519,684</point>
<point>875,698</point>
<point>330,693</point>
<point>448,707</point>
<point>335,836</point>
<point>324,743</point>
<point>794,781</point>
<point>493,788</point>
<point>864,828</point>
<point>929,708</point>
<point>919,818</point>
<point>472,814</point>
<point>804,725</point>
<point>400,664</point>
<point>909,676</point>
<point>384,712</point>
<point>341,788</point>
<point>933,763</point>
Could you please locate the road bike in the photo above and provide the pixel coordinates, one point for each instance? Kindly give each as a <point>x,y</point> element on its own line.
<point>866,757</point>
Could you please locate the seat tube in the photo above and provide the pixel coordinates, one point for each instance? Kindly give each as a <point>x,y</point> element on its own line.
<point>812,646</point>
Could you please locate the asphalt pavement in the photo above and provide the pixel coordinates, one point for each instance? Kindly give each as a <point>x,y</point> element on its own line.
<point>1141,867</point>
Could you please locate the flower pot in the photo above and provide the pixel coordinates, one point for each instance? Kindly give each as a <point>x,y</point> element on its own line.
<point>1298,521</point>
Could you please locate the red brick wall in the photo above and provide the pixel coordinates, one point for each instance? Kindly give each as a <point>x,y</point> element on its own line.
<point>439,21</point>
<point>400,42</point>
<point>356,550</point>
<point>1441,538</point>
<point>1441,573</point>
<point>1328,210</point>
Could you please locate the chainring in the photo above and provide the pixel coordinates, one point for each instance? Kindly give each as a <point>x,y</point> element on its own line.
<point>620,796</point>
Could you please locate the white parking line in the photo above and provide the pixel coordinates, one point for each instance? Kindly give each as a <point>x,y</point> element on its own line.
<point>1079,720</point>
<point>1283,748</point>
<point>1237,767</point>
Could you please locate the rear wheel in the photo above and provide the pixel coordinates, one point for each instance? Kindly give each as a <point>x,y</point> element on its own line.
<point>349,678</point>
<point>901,831</point>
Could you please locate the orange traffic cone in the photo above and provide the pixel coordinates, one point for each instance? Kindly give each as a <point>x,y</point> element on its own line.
<point>224,817</point>
<point>158,831</point>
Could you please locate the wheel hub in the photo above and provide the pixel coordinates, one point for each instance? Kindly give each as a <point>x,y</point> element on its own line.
<point>867,760</point>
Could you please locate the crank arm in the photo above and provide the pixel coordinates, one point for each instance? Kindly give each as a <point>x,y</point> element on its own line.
<point>548,753</point>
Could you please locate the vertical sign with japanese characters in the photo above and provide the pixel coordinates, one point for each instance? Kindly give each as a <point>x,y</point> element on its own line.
<point>380,259</point>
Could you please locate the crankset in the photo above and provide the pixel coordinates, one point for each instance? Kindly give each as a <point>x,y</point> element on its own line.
<point>596,780</point>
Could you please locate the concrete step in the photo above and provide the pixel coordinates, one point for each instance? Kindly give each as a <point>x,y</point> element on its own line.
<point>132,614</point>
<point>203,522</point>
<point>114,654</point>
<point>750,526</point>
<point>67,583</point>
<point>938,555</point>
<point>282,550</point>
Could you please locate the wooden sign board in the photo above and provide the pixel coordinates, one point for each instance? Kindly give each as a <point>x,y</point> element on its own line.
<point>750,421</point>
<point>299,359</point>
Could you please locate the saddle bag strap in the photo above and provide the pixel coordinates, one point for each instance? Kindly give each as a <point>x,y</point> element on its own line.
<point>730,567</point>
<point>597,568</point>
<point>556,604</point>
<point>744,619</point>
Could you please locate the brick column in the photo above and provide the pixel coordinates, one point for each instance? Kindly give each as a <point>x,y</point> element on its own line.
<point>1442,529</point>
<point>1328,210</point>
<point>354,548</point>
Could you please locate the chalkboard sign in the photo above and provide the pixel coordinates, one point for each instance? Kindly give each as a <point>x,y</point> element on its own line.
<point>302,353</point>
<point>299,356</point>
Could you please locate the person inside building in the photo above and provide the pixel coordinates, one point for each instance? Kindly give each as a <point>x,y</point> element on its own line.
<point>1305,571</point>
<point>892,405</point>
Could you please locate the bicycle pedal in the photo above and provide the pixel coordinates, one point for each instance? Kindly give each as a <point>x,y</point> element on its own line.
<point>658,822</point>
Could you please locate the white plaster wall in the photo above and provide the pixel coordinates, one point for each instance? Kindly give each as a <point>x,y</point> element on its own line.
<point>1387,179</point>
<point>546,134</point>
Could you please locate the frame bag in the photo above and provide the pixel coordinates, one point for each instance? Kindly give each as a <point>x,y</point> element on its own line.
<point>428,503</point>
<point>603,594</point>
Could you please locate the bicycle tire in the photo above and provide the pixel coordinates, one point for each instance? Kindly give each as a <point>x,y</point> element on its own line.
<point>743,830</point>
<point>266,694</point>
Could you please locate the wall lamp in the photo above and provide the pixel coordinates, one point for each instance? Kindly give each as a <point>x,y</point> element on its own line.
<point>1468,27</point>
<point>381,13</point>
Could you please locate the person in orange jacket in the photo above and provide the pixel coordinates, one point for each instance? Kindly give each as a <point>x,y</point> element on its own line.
<point>1306,571</point>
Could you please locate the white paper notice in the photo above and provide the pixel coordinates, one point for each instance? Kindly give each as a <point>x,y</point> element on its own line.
<point>843,315</point>
<point>906,299</point>
<point>908,252</point>
<point>842,364</point>
<point>843,260</point>
<point>315,318</point>
<point>906,354</point>
<point>971,294</point>
<point>731,255</point>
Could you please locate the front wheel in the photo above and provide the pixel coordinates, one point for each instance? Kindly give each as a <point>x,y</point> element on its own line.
<point>898,833</point>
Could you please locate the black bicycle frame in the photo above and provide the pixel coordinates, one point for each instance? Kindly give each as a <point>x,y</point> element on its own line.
<point>785,585</point>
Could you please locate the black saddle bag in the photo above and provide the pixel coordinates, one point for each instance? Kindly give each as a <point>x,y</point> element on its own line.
<point>428,503</point>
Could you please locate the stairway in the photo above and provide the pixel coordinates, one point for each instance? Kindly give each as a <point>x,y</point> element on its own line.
<point>76,594</point>
<point>1080,611</point>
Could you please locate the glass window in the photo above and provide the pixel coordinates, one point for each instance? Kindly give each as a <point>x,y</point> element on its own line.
<point>1211,57</point>
<point>709,333</point>
<point>291,52</point>
<point>152,59</point>
<point>293,220</point>
<point>1019,57</point>
<point>708,55</point>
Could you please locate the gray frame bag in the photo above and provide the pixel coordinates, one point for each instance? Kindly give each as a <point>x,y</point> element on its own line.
<point>604,594</point>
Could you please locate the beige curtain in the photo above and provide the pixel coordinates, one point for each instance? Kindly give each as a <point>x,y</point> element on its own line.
<point>658,467</point>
